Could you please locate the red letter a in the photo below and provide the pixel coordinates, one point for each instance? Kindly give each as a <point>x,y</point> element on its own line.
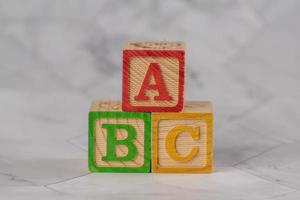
<point>159,86</point>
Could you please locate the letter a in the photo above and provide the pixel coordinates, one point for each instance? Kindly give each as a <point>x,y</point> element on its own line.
<point>159,85</point>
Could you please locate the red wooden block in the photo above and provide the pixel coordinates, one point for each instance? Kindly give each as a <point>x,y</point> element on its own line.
<point>153,76</point>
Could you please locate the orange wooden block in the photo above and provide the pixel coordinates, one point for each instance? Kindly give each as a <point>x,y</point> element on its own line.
<point>182,142</point>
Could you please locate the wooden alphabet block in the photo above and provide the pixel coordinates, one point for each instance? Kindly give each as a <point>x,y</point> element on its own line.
<point>153,76</point>
<point>118,141</point>
<point>182,142</point>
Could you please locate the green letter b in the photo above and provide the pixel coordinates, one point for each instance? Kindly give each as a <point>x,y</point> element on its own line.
<point>112,142</point>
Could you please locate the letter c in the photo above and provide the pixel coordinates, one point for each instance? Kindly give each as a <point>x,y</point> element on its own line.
<point>171,142</point>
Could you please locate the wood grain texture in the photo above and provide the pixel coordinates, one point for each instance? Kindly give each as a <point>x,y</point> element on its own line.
<point>121,150</point>
<point>137,57</point>
<point>105,106</point>
<point>108,112</point>
<point>197,115</point>
<point>154,45</point>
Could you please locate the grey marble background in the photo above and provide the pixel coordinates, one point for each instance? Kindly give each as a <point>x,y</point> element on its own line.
<point>58,55</point>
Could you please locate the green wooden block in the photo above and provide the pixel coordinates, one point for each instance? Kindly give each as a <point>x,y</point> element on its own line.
<point>118,141</point>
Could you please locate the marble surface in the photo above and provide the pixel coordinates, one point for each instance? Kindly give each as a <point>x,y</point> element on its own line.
<point>56,56</point>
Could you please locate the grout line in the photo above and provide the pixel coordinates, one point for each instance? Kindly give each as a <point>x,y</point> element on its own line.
<point>50,184</point>
<point>77,136</point>
<point>257,155</point>
<point>265,178</point>
<point>75,145</point>
<point>15,178</point>
<point>283,194</point>
<point>54,190</point>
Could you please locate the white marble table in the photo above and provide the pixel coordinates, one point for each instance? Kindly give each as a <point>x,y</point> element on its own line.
<point>56,56</point>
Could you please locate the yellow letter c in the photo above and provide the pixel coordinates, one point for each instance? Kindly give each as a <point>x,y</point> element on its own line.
<point>171,142</point>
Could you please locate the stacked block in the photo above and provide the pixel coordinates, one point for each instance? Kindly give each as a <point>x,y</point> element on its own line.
<point>182,142</point>
<point>153,76</point>
<point>152,124</point>
<point>118,141</point>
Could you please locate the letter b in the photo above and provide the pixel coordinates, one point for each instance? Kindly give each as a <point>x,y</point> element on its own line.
<point>112,142</point>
